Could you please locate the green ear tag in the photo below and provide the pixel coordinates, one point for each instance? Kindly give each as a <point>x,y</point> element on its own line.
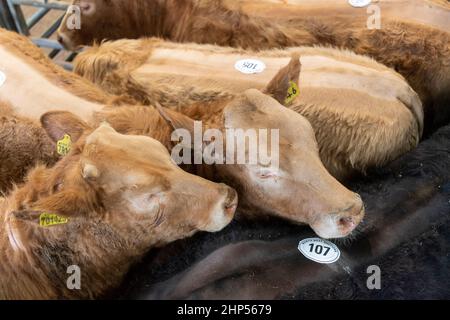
<point>292,93</point>
<point>64,145</point>
<point>50,219</point>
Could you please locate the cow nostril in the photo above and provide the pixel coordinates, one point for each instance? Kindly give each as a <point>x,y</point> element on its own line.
<point>231,202</point>
<point>59,38</point>
<point>230,209</point>
<point>347,222</point>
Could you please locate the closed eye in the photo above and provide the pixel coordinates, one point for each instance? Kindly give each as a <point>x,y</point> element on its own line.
<point>267,173</point>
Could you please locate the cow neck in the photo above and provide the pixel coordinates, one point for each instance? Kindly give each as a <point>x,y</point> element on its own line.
<point>26,267</point>
<point>234,27</point>
<point>30,275</point>
<point>144,120</point>
<point>174,14</point>
<point>211,115</point>
<point>154,20</point>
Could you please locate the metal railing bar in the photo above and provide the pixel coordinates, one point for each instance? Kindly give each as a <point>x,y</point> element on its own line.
<point>34,3</point>
<point>36,17</point>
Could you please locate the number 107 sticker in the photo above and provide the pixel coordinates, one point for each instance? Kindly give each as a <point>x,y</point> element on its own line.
<point>319,250</point>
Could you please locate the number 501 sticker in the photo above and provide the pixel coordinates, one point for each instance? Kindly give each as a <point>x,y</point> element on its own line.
<point>359,3</point>
<point>250,66</point>
<point>319,250</point>
<point>2,78</point>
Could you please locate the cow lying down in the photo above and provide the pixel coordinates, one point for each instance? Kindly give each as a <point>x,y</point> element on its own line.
<point>23,144</point>
<point>363,113</point>
<point>411,36</point>
<point>432,13</point>
<point>406,235</point>
<point>99,215</point>
<point>299,190</point>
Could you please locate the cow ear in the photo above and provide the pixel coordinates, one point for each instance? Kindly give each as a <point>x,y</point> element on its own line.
<point>20,227</point>
<point>25,225</point>
<point>176,120</point>
<point>284,86</point>
<point>57,124</point>
<point>179,121</point>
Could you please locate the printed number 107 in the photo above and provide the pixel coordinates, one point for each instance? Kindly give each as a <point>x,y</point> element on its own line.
<point>319,249</point>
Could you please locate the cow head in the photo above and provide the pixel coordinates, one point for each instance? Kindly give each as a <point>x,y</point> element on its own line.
<point>88,21</point>
<point>298,188</point>
<point>127,183</point>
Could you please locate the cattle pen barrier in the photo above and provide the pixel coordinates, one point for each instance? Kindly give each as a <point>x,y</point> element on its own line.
<point>13,18</point>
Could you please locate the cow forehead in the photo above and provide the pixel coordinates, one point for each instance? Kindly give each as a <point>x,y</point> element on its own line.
<point>108,141</point>
<point>255,110</point>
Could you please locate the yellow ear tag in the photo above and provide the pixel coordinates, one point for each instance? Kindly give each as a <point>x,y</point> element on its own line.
<point>292,93</point>
<point>50,219</point>
<point>64,145</point>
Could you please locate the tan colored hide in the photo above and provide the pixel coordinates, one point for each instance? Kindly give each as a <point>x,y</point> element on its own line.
<point>432,13</point>
<point>413,37</point>
<point>34,85</point>
<point>364,114</point>
<point>23,143</point>
<point>99,215</point>
<point>300,190</point>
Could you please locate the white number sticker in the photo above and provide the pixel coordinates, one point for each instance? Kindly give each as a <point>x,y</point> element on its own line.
<point>359,3</point>
<point>319,250</point>
<point>2,78</point>
<point>250,66</point>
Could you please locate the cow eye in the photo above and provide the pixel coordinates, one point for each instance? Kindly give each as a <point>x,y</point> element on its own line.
<point>267,173</point>
<point>85,6</point>
<point>155,197</point>
<point>57,187</point>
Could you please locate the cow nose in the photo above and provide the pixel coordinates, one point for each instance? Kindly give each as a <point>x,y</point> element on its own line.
<point>347,223</point>
<point>231,201</point>
<point>59,38</point>
<point>351,218</point>
<point>355,209</point>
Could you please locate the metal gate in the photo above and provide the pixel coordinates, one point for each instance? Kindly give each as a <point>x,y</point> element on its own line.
<point>12,18</point>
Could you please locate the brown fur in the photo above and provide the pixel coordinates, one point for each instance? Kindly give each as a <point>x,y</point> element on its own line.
<point>23,144</point>
<point>355,130</point>
<point>21,46</point>
<point>310,194</point>
<point>419,52</point>
<point>104,235</point>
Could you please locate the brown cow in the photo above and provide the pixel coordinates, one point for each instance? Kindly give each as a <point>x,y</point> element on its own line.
<point>23,143</point>
<point>363,113</point>
<point>433,13</point>
<point>99,215</point>
<point>301,190</point>
<point>416,46</point>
